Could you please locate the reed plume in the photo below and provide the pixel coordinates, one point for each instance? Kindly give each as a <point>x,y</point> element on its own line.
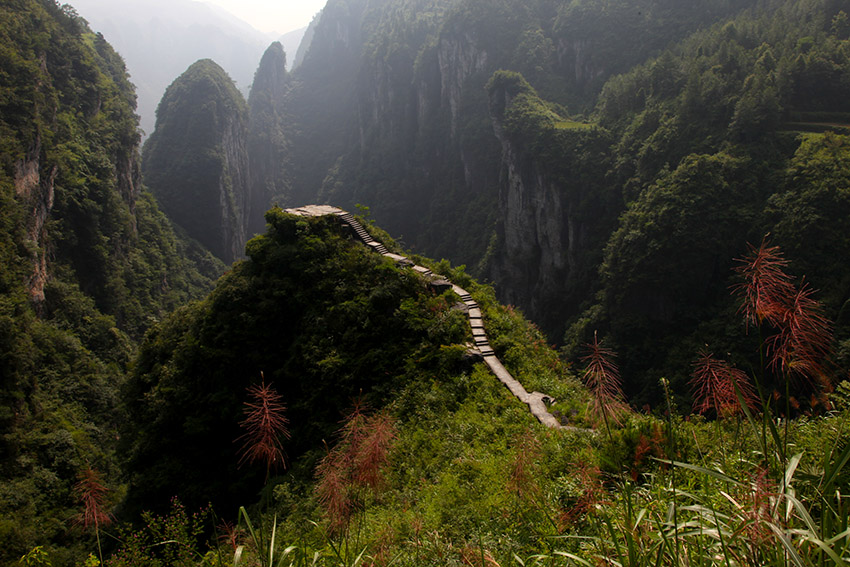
<point>91,494</point>
<point>602,378</point>
<point>766,288</point>
<point>523,469</point>
<point>264,424</point>
<point>713,383</point>
<point>354,466</point>
<point>801,342</point>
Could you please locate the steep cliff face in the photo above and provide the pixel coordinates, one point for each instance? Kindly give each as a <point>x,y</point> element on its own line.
<point>459,56</point>
<point>196,161</point>
<point>87,263</point>
<point>306,41</point>
<point>36,194</point>
<point>553,212</point>
<point>406,132</point>
<point>390,111</point>
<point>267,140</point>
<point>538,235</point>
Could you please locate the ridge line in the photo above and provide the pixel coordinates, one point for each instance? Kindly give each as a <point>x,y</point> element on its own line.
<point>535,401</point>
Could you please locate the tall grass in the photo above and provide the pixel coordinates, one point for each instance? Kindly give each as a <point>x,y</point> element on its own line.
<point>782,507</point>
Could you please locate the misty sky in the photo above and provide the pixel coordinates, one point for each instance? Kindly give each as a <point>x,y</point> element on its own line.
<point>272,15</point>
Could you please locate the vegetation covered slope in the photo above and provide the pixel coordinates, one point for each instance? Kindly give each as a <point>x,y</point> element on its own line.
<point>436,464</point>
<point>585,201</point>
<point>196,161</point>
<point>88,262</point>
<point>389,108</point>
<point>321,317</point>
<point>709,154</point>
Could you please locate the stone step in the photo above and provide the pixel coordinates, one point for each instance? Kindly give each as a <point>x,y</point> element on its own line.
<point>400,260</point>
<point>423,270</point>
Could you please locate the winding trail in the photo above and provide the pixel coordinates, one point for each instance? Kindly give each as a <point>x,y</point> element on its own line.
<point>537,402</point>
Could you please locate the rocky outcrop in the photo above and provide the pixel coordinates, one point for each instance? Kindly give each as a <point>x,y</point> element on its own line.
<point>538,236</point>
<point>459,57</point>
<point>577,54</point>
<point>36,192</point>
<point>267,140</point>
<point>196,161</point>
<point>549,214</point>
<point>306,41</point>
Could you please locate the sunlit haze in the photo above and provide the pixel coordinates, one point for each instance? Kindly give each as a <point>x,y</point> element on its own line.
<point>268,16</point>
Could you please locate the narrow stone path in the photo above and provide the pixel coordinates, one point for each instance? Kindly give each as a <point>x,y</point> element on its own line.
<point>535,401</point>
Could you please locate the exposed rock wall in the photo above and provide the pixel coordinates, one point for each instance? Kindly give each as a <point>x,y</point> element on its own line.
<point>37,193</point>
<point>234,188</point>
<point>537,233</point>
<point>553,213</point>
<point>459,57</point>
<point>267,138</point>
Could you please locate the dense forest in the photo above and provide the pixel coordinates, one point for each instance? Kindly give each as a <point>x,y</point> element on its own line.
<point>607,181</point>
<point>662,187</point>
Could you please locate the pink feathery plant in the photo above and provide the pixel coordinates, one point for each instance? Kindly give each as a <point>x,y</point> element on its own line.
<point>229,534</point>
<point>522,476</point>
<point>333,490</point>
<point>713,384</point>
<point>593,493</point>
<point>801,342</point>
<point>91,493</point>
<point>355,465</point>
<point>766,287</point>
<point>372,454</point>
<point>602,378</point>
<point>264,424</point>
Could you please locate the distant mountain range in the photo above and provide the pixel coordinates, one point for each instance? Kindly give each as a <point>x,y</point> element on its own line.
<point>159,39</point>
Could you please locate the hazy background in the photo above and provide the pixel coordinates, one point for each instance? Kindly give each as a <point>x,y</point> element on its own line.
<point>159,39</point>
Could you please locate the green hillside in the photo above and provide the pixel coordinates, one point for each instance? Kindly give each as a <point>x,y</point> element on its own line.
<point>88,264</point>
<point>195,162</point>
<point>400,447</point>
<point>611,168</point>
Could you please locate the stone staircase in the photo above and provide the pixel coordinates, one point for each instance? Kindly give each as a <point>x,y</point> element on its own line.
<point>537,402</point>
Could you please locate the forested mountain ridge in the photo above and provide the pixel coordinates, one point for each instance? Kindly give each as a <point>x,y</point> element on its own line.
<point>391,108</point>
<point>196,161</point>
<point>88,263</point>
<point>414,132</point>
<point>621,213</point>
